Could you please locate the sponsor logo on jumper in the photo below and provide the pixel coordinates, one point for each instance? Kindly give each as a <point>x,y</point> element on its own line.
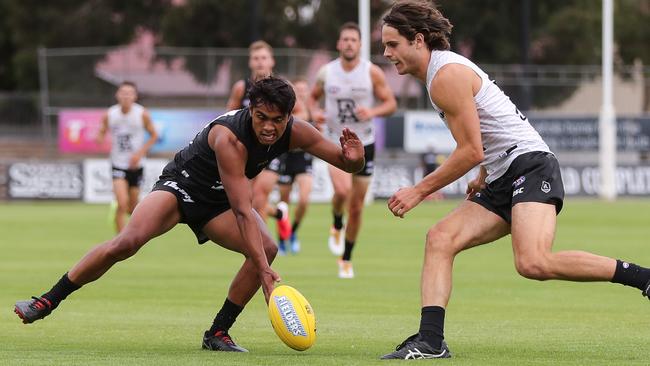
<point>519,181</point>
<point>518,191</point>
<point>546,186</point>
<point>346,110</point>
<point>289,316</point>
<point>174,185</point>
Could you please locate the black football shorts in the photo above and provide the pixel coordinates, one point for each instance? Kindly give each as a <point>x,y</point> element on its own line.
<point>132,176</point>
<point>369,168</point>
<point>196,213</point>
<point>532,177</point>
<point>295,163</point>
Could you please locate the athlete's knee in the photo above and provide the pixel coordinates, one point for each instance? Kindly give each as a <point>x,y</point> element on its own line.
<point>122,208</point>
<point>125,245</point>
<point>533,267</point>
<point>439,240</point>
<point>270,249</point>
<point>356,208</point>
<point>341,194</point>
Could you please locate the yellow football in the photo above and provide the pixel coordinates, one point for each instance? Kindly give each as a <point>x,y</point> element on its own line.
<point>292,318</point>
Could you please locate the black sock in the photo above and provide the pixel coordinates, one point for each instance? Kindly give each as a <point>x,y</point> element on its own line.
<point>60,291</point>
<point>278,214</point>
<point>294,227</point>
<point>347,254</point>
<point>338,221</point>
<point>629,274</point>
<point>432,325</point>
<point>226,316</point>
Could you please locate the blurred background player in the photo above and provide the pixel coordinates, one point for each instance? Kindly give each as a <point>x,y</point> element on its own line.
<point>350,86</point>
<point>297,168</point>
<point>127,122</point>
<point>261,63</point>
<point>430,160</point>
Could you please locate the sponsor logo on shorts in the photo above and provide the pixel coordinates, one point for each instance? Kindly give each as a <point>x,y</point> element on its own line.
<point>218,186</point>
<point>519,181</point>
<point>174,185</point>
<point>546,186</point>
<point>289,316</point>
<point>518,191</point>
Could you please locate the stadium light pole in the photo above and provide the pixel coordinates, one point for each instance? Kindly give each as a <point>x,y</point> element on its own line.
<point>364,25</point>
<point>607,120</point>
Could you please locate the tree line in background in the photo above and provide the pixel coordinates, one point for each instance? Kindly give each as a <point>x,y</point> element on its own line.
<point>558,32</point>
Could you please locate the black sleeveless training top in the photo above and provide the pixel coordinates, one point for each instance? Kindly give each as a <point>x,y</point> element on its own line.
<point>195,167</point>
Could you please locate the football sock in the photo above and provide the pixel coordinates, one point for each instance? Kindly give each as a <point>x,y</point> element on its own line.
<point>629,274</point>
<point>226,316</point>
<point>294,227</point>
<point>60,291</point>
<point>338,221</point>
<point>432,324</point>
<point>278,214</point>
<point>347,254</point>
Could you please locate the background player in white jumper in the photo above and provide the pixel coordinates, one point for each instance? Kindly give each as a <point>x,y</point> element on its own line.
<point>127,122</point>
<point>350,86</point>
<point>518,191</point>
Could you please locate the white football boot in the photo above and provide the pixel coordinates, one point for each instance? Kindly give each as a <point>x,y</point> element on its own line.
<point>336,241</point>
<point>345,269</point>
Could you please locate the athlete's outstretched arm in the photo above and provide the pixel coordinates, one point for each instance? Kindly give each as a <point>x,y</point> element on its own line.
<point>349,156</point>
<point>231,159</point>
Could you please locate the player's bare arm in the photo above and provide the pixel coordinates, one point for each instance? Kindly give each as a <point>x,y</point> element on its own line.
<point>148,125</point>
<point>349,156</point>
<point>101,134</point>
<point>317,93</point>
<point>387,104</point>
<point>453,91</point>
<point>231,159</point>
<point>236,95</point>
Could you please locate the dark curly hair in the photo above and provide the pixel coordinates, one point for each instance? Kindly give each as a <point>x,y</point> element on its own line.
<point>412,17</point>
<point>273,92</point>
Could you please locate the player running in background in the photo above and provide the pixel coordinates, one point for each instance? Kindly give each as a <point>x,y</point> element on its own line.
<point>261,63</point>
<point>207,187</point>
<point>297,168</point>
<point>350,86</point>
<point>518,191</point>
<point>127,122</point>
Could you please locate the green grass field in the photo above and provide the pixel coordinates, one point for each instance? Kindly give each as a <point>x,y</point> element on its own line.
<point>153,308</point>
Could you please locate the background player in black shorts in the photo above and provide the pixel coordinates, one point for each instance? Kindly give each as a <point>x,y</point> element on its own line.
<point>297,168</point>
<point>127,122</point>
<point>207,186</point>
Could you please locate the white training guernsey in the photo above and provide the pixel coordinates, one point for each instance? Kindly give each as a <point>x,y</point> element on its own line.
<point>127,134</point>
<point>505,131</point>
<point>344,92</point>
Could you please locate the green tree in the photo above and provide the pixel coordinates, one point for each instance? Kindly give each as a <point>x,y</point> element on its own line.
<point>632,35</point>
<point>72,23</point>
<point>489,31</point>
